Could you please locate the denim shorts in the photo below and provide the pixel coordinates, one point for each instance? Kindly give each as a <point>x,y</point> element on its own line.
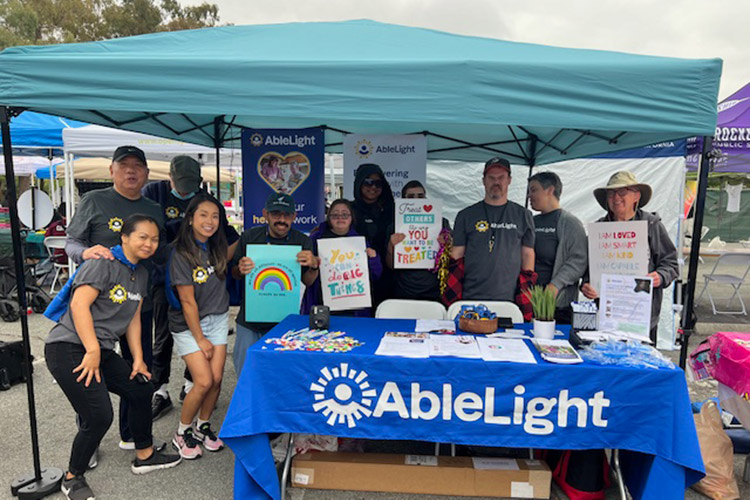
<point>215,328</point>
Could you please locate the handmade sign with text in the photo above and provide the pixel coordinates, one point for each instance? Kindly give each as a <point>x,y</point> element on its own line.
<point>272,288</point>
<point>344,275</point>
<point>420,220</point>
<point>617,248</point>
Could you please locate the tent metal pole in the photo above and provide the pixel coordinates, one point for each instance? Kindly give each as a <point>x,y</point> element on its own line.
<point>532,162</point>
<point>688,321</point>
<point>217,145</point>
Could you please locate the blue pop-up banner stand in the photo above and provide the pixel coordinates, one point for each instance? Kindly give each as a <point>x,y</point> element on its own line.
<point>289,161</point>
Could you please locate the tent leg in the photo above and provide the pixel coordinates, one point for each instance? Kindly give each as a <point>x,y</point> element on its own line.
<point>217,145</point>
<point>688,321</point>
<point>45,481</point>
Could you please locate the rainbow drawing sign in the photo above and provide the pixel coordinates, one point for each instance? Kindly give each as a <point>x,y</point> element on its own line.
<point>344,275</point>
<point>272,288</point>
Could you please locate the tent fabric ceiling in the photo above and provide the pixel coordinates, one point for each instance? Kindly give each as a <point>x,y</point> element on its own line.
<point>39,134</point>
<point>531,103</point>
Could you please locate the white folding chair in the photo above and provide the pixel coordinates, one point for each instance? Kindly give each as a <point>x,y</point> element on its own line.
<point>735,281</point>
<point>502,308</point>
<point>410,309</point>
<point>52,243</point>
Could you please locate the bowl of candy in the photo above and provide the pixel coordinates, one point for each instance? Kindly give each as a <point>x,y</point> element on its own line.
<point>477,319</point>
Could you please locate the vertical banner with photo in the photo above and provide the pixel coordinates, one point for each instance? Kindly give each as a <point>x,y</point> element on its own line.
<point>403,158</point>
<point>272,288</point>
<point>420,220</point>
<point>344,275</point>
<point>617,248</point>
<point>284,161</point>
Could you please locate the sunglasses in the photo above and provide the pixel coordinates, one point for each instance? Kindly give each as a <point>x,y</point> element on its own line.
<point>376,183</point>
<point>620,192</point>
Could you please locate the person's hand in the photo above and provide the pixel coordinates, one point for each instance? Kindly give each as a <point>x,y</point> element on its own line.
<point>89,367</point>
<point>657,278</point>
<point>207,348</point>
<point>140,367</point>
<point>443,239</point>
<point>397,238</point>
<point>370,252</point>
<point>553,288</point>
<point>245,265</point>
<point>589,291</point>
<point>307,259</point>
<point>97,252</point>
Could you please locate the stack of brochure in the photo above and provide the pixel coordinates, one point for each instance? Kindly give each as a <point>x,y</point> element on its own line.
<point>557,351</point>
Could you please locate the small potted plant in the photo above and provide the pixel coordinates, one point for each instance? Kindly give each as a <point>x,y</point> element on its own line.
<point>543,301</point>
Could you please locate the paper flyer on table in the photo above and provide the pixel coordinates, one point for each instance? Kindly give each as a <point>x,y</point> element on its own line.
<point>404,344</point>
<point>499,349</point>
<point>435,325</point>
<point>460,346</point>
<point>420,221</point>
<point>625,305</point>
<point>344,274</point>
<point>272,288</point>
<point>557,351</point>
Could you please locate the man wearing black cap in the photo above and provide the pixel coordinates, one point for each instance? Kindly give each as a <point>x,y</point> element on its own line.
<point>95,228</point>
<point>173,196</point>
<point>279,214</point>
<point>495,237</point>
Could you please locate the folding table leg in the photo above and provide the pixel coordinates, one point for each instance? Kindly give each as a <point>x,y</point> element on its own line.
<point>287,465</point>
<point>618,473</point>
<point>746,474</point>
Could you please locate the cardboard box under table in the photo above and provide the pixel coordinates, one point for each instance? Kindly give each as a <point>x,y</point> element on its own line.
<point>462,476</point>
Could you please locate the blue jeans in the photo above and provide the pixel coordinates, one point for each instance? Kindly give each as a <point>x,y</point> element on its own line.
<point>244,338</point>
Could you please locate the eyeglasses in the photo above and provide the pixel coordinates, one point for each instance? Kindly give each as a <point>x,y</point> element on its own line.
<point>619,192</point>
<point>340,216</point>
<point>376,183</point>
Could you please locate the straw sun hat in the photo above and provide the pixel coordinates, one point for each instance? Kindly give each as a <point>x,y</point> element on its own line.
<point>619,180</point>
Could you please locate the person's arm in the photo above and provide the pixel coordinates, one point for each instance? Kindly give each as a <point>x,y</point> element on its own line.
<point>527,258</point>
<point>231,249</point>
<point>307,259</point>
<point>133,337</point>
<point>192,318</point>
<point>236,264</point>
<point>667,267</point>
<point>576,255</point>
<point>394,240</point>
<point>460,237</point>
<point>80,311</point>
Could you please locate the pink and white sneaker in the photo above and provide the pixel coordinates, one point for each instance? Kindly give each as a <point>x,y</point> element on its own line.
<point>187,445</point>
<point>210,441</point>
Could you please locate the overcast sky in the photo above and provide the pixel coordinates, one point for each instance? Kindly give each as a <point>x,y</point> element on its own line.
<point>678,28</point>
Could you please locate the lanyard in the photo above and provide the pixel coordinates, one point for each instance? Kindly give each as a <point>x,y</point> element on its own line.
<point>493,231</point>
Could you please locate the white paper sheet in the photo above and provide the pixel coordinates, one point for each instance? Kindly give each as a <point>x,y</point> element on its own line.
<point>462,346</point>
<point>404,344</point>
<point>499,349</point>
<point>494,463</point>
<point>435,325</point>
<point>625,305</point>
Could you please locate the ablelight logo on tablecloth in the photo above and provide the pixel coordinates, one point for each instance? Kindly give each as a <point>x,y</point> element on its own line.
<point>344,396</point>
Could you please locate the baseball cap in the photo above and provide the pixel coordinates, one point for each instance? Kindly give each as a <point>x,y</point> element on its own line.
<point>496,162</point>
<point>279,202</point>
<point>185,173</point>
<point>124,151</point>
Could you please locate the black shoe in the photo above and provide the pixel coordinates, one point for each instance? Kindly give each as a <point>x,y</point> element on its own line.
<point>77,489</point>
<point>183,392</point>
<point>160,406</point>
<point>156,461</point>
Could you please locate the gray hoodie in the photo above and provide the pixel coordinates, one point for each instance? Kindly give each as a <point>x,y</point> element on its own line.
<point>571,258</point>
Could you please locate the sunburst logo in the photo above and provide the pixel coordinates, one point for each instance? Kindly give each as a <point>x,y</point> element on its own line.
<point>482,226</point>
<point>115,224</point>
<point>256,140</point>
<point>172,212</point>
<point>200,275</point>
<point>118,294</point>
<point>343,395</point>
<point>364,148</point>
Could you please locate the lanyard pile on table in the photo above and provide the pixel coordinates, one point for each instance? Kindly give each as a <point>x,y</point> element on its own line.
<point>630,353</point>
<point>314,340</point>
<point>476,311</point>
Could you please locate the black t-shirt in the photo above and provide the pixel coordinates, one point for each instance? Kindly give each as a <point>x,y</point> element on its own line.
<point>545,246</point>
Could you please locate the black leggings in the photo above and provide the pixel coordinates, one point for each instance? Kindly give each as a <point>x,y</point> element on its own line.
<point>92,403</point>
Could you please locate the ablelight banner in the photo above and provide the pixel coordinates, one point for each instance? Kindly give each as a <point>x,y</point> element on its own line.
<point>285,161</point>
<point>344,274</point>
<point>402,158</point>
<point>420,221</point>
<point>272,288</point>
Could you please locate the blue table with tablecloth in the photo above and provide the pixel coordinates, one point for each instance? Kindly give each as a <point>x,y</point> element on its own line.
<point>645,413</point>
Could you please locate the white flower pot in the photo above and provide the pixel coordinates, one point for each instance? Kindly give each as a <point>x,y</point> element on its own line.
<point>544,329</point>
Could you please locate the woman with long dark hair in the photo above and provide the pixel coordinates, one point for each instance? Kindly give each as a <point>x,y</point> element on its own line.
<point>199,319</point>
<point>105,304</point>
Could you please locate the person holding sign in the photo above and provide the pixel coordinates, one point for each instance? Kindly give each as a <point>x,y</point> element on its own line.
<point>339,224</point>
<point>279,214</point>
<point>415,284</point>
<point>622,198</point>
<point>560,247</point>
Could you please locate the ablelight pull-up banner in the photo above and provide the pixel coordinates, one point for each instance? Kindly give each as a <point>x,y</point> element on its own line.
<point>402,158</point>
<point>287,161</point>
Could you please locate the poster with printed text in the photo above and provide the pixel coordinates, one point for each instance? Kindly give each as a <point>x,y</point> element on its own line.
<point>272,288</point>
<point>420,220</point>
<point>344,274</point>
<point>625,305</point>
<point>617,248</point>
<point>402,158</point>
<point>284,161</point>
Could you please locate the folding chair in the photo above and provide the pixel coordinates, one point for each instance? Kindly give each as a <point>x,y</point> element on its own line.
<point>502,308</point>
<point>52,243</point>
<point>410,309</point>
<point>725,260</point>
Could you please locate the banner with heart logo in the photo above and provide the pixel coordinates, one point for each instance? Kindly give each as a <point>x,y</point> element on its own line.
<point>287,161</point>
<point>420,221</point>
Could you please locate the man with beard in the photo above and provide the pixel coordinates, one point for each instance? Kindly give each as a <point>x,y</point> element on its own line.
<point>279,214</point>
<point>495,237</point>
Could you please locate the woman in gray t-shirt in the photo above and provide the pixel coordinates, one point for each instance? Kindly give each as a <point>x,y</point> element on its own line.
<point>105,303</point>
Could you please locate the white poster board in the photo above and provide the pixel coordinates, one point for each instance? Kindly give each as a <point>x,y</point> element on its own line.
<point>625,305</point>
<point>617,248</point>
<point>420,220</point>
<point>403,158</point>
<point>344,275</point>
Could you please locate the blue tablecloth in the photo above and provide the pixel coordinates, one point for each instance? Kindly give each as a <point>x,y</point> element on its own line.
<point>463,401</point>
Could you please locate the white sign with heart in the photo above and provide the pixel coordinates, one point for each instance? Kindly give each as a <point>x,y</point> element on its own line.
<point>420,221</point>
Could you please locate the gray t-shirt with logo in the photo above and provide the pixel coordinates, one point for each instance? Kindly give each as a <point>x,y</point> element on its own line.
<point>492,273</point>
<point>211,294</point>
<point>120,292</point>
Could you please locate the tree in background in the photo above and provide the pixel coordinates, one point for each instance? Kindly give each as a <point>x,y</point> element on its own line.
<point>42,22</point>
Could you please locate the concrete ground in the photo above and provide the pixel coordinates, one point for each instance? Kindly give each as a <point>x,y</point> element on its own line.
<point>211,476</point>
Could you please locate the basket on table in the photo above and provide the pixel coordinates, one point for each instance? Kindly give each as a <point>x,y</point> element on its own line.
<point>478,325</point>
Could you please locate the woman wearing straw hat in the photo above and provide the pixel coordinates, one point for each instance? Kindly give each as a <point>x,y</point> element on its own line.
<point>622,198</point>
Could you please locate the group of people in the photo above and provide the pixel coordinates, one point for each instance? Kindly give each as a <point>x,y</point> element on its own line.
<point>161,254</point>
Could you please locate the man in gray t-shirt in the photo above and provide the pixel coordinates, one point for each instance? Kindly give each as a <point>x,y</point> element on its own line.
<point>495,237</point>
